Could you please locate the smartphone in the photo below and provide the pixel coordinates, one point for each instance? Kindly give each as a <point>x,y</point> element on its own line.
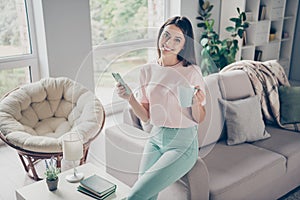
<point>119,79</point>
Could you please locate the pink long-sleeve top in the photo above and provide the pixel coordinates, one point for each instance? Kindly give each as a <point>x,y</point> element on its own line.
<point>158,87</point>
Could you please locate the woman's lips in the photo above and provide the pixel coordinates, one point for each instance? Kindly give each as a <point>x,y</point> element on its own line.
<point>165,48</point>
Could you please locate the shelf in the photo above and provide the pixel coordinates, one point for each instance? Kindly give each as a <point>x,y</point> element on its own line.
<point>285,39</point>
<point>247,46</point>
<point>274,41</point>
<point>277,19</point>
<point>280,15</point>
<point>288,17</point>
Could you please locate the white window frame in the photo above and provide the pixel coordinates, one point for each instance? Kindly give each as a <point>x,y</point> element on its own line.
<point>123,47</point>
<point>30,60</point>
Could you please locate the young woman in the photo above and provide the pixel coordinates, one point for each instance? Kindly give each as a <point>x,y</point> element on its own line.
<point>172,149</point>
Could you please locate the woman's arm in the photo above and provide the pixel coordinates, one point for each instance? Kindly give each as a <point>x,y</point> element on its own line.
<point>198,112</point>
<point>140,110</point>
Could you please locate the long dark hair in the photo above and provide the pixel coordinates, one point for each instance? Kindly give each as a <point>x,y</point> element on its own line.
<point>187,54</point>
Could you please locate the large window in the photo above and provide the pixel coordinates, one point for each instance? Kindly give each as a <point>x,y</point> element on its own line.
<point>123,36</point>
<point>18,63</point>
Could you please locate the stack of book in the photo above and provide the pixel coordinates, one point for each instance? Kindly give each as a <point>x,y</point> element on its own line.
<point>97,187</point>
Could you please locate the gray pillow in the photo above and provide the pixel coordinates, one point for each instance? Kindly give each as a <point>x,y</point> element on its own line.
<point>244,120</point>
<point>289,104</point>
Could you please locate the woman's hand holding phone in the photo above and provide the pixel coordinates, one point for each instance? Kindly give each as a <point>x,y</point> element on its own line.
<point>122,88</point>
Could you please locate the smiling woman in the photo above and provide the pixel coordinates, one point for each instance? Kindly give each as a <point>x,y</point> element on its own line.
<point>172,149</point>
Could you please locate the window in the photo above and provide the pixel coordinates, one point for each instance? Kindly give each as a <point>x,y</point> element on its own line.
<point>124,37</point>
<point>18,62</point>
<point>11,78</point>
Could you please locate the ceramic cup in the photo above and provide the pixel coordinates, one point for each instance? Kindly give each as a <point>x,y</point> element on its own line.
<point>185,95</point>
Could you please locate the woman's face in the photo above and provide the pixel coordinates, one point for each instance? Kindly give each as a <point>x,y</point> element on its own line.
<point>171,40</point>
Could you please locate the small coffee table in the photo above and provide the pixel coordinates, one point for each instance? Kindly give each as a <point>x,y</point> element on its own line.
<point>66,190</point>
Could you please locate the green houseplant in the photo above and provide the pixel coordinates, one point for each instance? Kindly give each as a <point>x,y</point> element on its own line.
<point>51,174</point>
<point>221,52</point>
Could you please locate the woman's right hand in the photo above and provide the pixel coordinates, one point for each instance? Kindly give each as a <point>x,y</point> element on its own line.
<point>121,91</point>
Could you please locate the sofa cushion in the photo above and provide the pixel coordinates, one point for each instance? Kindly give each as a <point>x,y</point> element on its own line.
<point>284,142</point>
<point>244,120</point>
<point>289,104</point>
<point>235,169</point>
<point>235,85</point>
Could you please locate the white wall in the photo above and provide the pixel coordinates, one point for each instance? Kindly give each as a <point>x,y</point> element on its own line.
<point>64,39</point>
<point>189,8</point>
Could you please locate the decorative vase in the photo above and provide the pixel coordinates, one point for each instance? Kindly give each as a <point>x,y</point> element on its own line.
<point>272,36</point>
<point>52,184</point>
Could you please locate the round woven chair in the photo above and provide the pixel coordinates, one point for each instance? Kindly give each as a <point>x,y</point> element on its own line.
<point>35,117</point>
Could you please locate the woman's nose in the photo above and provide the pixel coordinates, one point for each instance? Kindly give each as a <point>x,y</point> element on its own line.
<point>169,42</point>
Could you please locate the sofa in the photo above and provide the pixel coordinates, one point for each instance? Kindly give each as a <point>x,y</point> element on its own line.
<point>260,169</point>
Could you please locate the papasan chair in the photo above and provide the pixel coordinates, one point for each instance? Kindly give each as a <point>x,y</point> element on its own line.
<point>35,117</point>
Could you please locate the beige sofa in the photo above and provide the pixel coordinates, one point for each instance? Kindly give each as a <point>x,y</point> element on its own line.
<point>264,169</point>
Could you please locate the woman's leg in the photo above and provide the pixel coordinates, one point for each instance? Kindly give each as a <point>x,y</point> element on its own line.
<point>171,166</point>
<point>151,154</point>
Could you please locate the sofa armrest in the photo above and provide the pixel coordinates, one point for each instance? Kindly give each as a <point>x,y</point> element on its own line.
<point>199,181</point>
<point>124,145</point>
<point>130,118</point>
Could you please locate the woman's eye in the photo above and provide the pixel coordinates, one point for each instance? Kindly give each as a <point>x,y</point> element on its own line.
<point>177,40</point>
<point>166,35</point>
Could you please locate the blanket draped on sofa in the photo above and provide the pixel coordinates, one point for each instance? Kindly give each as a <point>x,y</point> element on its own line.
<point>266,77</point>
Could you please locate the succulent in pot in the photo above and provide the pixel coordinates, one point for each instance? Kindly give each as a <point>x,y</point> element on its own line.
<point>51,174</point>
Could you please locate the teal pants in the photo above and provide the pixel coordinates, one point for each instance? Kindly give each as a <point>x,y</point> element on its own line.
<point>168,155</point>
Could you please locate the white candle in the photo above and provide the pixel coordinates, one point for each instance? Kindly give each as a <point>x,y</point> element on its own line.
<point>72,147</point>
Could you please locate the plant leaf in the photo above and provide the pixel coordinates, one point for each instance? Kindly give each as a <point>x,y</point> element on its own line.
<point>200,18</point>
<point>204,42</point>
<point>200,4</point>
<point>235,42</point>
<point>245,25</point>
<point>210,8</point>
<point>233,19</point>
<point>243,16</point>
<point>240,33</point>
<point>200,25</point>
<point>212,22</point>
<point>230,29</point>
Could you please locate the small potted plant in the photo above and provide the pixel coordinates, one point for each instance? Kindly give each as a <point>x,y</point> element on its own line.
<point>51,174</point>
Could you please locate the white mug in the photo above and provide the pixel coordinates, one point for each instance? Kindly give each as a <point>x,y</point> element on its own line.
<point>185,95</point>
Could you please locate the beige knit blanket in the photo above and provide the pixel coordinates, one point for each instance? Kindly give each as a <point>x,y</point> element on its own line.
<point>266,77</point>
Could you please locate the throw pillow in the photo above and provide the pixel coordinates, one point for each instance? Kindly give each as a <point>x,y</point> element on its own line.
<point>244,120</point>
<point>289,98</point>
